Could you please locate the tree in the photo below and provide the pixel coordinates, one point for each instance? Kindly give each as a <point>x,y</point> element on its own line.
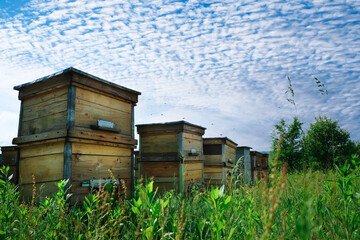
<point>291,151</point>
<point>326,144</point>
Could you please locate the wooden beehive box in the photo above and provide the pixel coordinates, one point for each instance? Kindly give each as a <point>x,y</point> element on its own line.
<point>9,158</point>
<point>243,155</point>
<point>219,156</point>
<point>259,165</point>
<point>171,153</point>
<point>74,126</point>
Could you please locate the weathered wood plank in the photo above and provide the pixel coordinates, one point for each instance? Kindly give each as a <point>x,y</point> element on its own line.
<point>47,98</point>
<point>51,122</point>
<point>88,113</point>
<point>160,157</point>
<point>124,93</point>
<point>213,141</point>
<point>215,175</point>
<point>193,166</point>
<point>213,158</point>
<point>92,149</point>
<point>99,135</point>
<point>161,143</point>
<point>192,136</point>
<point>98,142</point>
<point>40,136</point>
<point>193,175</point>
<point>45,168</point>
<point>161,169</point>
<point>44,110</point>
<point>42,149</point>
<point>41,87</point>
<point>103,100</point>
<point>212,169</point>
<point>192,141</point>
<point>86,167</point>
<point>230,153</point>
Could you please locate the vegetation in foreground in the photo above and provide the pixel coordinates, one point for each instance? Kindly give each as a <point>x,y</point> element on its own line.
<point>310,205</point>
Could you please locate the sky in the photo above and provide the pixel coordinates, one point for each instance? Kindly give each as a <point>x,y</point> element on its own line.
<point>223,65</point>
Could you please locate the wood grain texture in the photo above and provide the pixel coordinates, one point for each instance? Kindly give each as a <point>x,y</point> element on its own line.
<point>213,158</point>
<point>93,149</point>
<point>193,175</point>
<point>44,148</point>
<point>41,100</point>
<point>105,136</point>
<point>44,112</point>
<point>230,153</point>
<point>161,143</point>
<point>51,122</point>
<point>51,135</point>
<point>159,169</point>
<point>130,96</point>
<point>192,141</point>
<point>160,157</point>
<point>86,167</point>
<point>45,168</point>
<point>45,86</point>
<point>91,107</point>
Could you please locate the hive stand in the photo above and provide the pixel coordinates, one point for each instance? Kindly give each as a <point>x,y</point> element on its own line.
<point>219,156</point>
<point>171,153</point>
<point>74,126</point>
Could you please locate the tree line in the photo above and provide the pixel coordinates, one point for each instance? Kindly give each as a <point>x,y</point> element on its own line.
<point>324,145</point>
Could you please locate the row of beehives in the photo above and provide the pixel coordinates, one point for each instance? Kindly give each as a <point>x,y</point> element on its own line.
<point>75,126</point>
<point>176,155</point>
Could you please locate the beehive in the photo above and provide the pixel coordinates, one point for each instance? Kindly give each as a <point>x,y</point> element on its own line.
<point>9,158</point>
<point>259,165</point>
<point>74,126</point>
<point>171,153</point>
<point>243,154</point>
<point>219,156</point>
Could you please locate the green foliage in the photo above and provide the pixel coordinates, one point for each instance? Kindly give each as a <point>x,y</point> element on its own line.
<point>9,224</point>
<point>326,144</point>
<point>301,205</point>
<point>291,149</point>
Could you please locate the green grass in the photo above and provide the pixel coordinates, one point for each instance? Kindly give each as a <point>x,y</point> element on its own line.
<point>304,205</point>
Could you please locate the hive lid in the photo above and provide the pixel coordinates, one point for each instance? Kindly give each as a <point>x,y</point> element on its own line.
<point>239,147</point>
<point>217,140</point>
<point>178,126</point>
<point>40,83</point>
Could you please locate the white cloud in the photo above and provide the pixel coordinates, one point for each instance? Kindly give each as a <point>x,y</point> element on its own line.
<point>227,60</point>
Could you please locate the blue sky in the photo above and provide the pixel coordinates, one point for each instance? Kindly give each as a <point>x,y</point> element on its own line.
<point>220,64</point>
